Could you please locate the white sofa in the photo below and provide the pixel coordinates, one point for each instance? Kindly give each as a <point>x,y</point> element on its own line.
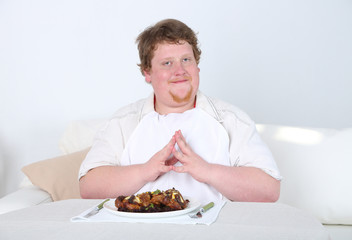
<point>315,164</point>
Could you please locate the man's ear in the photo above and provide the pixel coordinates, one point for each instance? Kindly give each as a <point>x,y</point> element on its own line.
<point>147,76</point>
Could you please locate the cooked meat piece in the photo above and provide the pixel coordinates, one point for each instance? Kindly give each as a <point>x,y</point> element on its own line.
<point>118,201</point>
<point>145,198</point>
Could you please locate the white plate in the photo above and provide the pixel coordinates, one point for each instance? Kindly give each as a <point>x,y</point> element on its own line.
<point>192,205</point>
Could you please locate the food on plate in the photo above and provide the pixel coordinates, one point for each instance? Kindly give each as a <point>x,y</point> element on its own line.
<point>148,202</point>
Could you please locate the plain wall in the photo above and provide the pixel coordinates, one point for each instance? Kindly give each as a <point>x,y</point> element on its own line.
<point>283,62</point>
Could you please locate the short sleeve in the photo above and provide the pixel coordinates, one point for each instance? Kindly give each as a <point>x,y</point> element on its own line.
<point>107,148</point>
<point>255,153</point>
<point>246,146</point>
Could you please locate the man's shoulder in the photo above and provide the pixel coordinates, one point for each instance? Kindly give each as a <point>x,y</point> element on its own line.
<point>228,111</point>
<point>131,109</point>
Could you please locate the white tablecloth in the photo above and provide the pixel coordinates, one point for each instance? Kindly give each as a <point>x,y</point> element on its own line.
<point>236,221</point>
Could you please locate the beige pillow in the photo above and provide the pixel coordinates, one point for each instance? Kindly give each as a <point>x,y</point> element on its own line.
<point>58,176</point>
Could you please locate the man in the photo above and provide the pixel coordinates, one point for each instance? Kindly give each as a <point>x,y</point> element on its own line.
<point>178,137</point>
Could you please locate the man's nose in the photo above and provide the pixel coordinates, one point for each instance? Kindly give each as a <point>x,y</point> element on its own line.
<point>179,69</point>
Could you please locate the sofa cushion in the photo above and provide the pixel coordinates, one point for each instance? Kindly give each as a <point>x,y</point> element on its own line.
<point>315,165</point>
<point>58,176</point>
<point>24,197</point>
<point>79,135</point>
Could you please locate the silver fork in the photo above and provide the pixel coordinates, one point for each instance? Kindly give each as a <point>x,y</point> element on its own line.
<point>202,210</point>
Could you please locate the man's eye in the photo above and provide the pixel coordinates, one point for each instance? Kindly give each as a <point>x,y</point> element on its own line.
<point>168,63</point>
<point>188,60</point>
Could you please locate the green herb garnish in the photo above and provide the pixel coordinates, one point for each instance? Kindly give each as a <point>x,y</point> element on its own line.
<point>150,206</point>
<point>156,192</point>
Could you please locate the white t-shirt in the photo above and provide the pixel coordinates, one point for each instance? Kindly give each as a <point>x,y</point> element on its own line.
<point>202,132</point>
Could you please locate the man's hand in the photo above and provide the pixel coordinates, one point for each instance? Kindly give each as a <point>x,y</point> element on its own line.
<point>161,162</point>
<point>192,163</point>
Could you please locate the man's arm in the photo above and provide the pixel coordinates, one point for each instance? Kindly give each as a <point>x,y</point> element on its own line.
<point>244,183</point>
<point>113,181</point>
<point>235,183</point>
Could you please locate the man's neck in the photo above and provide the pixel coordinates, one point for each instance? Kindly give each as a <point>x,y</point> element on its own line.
<point>164,110</point>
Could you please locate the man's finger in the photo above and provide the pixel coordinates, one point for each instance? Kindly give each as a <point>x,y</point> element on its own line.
<point>179,169</point>
<point>182,144</point>
<point>167,150</point>
<point>178,155</point>
<point>181,135</point>
<point>166,169</point>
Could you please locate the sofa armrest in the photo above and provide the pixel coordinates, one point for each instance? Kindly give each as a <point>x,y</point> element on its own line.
<point>24,197</point>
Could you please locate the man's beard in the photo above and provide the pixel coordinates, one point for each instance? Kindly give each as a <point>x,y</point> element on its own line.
<point>186,98</point>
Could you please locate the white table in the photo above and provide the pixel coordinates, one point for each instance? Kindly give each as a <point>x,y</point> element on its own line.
<point>236,221</point>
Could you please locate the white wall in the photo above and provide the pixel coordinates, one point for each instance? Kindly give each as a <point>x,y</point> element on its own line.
<point>284,62</point>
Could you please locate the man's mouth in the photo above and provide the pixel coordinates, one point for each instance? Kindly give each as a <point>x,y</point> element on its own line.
<point>178,81</point>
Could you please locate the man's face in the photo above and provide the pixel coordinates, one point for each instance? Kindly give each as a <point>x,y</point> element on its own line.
<point>174,76</point>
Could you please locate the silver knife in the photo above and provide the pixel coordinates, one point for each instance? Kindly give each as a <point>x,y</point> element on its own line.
<point>96,209</point>
<point>202,210</point>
